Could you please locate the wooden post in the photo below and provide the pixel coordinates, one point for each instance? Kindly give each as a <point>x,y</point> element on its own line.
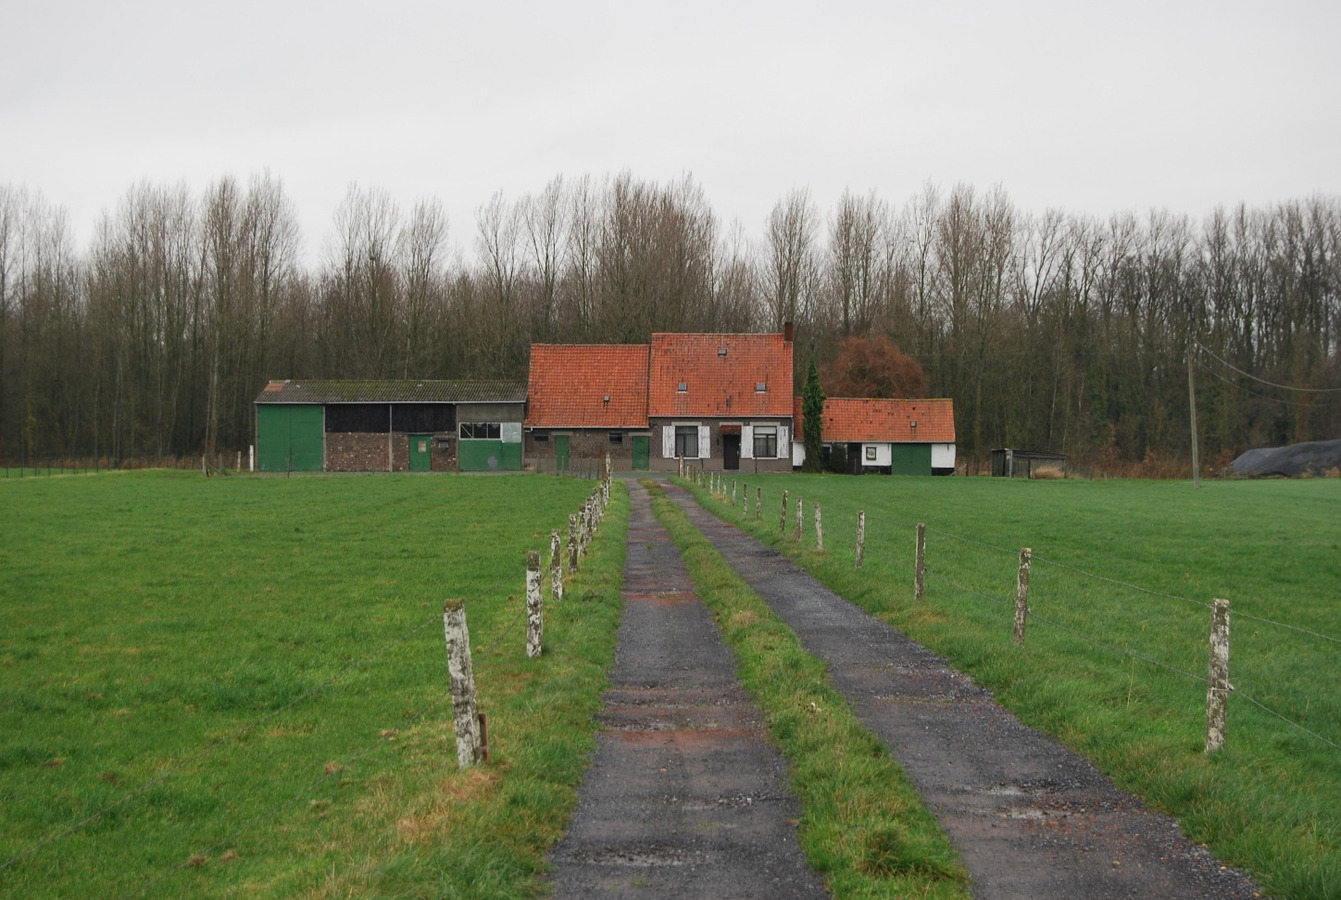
<point>861,536</point>
<point>744,499</point>
<point>1217,680</point>
<point>758,502</point>
<point>733,492</point>
<point>819,530</point>
<point>920,565</point>
<point>535,618</point>
<point>782,517</point>
<point>465,713</point>
<point>1021,596</point>
<point>555,565</point>
<point>800,521</point>
<point>572,544</point>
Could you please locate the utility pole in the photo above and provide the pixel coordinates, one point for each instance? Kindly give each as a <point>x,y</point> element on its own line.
<point>1192,406</point>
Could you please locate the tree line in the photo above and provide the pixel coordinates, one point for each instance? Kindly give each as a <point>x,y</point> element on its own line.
<point>1050,331</point>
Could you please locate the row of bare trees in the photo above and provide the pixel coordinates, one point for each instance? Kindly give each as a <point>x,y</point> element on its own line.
<point>1053,331</point>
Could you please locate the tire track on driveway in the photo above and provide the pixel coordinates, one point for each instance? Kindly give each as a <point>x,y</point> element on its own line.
<point>1031,818</point>
<point>685,796</point>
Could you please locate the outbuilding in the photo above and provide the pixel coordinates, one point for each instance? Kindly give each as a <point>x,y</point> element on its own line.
<point>885,435</point>
<point>315,425</point>
<point>586,402</point>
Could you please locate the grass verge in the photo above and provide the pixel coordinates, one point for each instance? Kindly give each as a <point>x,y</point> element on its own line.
<point>1115,655</point>
<point>863,825</point>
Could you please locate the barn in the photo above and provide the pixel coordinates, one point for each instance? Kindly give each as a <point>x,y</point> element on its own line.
<point>316,425</point>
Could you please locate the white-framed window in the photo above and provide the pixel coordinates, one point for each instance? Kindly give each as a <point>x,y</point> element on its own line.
<point>686,441</point>
<point>765,441</point>
<point>480,431</point>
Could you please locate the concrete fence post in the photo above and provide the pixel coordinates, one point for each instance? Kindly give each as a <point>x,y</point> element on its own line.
<point>782,517</point>
<point>758,503</point>
<point>1217,680</point>
<point>920,564</point>
<point>572,543</point>
<point>1021,596</point>
<point>861,536</point>
<point>555,565</point>
<point>800,521</point>
<point>819,530</point>
<point>535,616</point>
<point>465,711</point>
<point>733,492</point>
<point>744,499</point>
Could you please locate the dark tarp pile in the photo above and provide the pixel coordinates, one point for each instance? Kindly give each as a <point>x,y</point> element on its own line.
<point>1312,458</point>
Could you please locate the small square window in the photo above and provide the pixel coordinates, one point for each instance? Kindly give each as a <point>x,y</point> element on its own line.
<point>760,387</point>
<point>870,454</point>
<point>682,388</point>
<point>616,437</point>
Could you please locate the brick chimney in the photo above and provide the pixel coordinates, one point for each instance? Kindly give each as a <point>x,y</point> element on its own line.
<point>788,331</point>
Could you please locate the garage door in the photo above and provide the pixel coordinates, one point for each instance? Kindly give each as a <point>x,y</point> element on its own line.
<point>290,438</point>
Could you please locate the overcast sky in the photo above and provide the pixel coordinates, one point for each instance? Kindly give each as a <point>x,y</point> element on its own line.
<point>1092,108</point>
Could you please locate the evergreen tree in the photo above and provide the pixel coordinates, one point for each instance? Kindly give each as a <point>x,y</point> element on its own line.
<point>812,416</point>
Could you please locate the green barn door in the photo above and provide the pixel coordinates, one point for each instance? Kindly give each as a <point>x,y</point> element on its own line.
<point>561,453</point>
<point>420,459</point>
<point>641,452</point>
<point>911,459</point>
<point>290,438</point>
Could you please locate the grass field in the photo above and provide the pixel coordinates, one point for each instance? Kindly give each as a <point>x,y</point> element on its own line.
<point>238,686</point>
<point>1116,647</point>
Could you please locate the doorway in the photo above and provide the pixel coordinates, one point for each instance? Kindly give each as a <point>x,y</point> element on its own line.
<point>731,452</point>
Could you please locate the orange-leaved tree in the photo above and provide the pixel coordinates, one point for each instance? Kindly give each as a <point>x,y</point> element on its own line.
<point>873,367</point>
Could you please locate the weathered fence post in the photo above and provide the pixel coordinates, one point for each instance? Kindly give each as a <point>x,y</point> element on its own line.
<point>1021,596</point>
<point>920,564</point>
<point>861,536</point>
<point>800,522</point>
<point>555,565</point>
<point>758,503</point>
<point>744,499</point>
<point>465,713</point>
<point>1217,680</point>
<point>819,530</point>
<point>733,492</point>
<point>782,517</point>
<point>535,616</point>
<point>572,543</point>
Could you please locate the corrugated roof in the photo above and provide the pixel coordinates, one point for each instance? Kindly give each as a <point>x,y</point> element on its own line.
<point>570,384</point>
<point>722,375</point>
<point>323,391</point>
<point>851,419</point>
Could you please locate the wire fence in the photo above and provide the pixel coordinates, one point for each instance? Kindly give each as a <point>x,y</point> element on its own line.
<point>1139,623</point>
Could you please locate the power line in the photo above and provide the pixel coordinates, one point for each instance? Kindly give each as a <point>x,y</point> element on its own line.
<point>1284,387</point>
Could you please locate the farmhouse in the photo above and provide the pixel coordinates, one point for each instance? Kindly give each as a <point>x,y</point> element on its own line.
<point>585,401</point>
<point>888,436</point>
<point>313,425</point>
<point>721,400</point>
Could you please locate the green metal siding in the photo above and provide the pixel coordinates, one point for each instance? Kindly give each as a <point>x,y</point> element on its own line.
<point>511,457</point>
<point>290,438</point>
<point>480,456</point>
<point>561,452</point>
<point>911,459</point>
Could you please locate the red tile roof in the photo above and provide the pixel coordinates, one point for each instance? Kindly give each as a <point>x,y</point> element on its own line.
<point>721,374</point>
<point>879,421</point>
<point>569,384</point>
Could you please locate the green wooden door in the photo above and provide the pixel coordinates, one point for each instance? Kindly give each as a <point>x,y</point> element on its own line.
<point>290,438</point>
<point>641,452</point>
<point>911,459</point>
<point>421,459</point>
<point>561,453</point>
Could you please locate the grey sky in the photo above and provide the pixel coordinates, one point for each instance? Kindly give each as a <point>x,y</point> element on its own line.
<point>1091,108</point>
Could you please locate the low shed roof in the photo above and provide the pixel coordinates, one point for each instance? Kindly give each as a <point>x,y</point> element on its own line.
<point>588,386</point>
<point>870,420</point>
<point>329,391</point>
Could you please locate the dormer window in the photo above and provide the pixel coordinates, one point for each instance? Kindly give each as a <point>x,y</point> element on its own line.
<point>682,388</point>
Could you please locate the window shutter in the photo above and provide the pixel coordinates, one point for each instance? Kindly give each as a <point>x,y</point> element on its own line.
<point>747,441</point>
<point>784,442</point>
<point>704,442</point>
<point>667,441</point>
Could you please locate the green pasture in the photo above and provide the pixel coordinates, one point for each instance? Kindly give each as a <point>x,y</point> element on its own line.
<point>237,686</point>
<point>1115,656</point>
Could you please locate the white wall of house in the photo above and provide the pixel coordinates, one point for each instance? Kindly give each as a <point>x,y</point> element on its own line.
<point>942,456</point>
<point>884,455</point>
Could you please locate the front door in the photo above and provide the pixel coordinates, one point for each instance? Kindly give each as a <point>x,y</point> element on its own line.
<point>420,459</point>
<point>560,453</point>
<point>641,452</point>
<point>731,451</point>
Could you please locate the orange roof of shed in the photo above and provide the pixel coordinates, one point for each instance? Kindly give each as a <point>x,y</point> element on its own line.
<point>722,375</point>
<point>870,420</point>
<point>569,384</point>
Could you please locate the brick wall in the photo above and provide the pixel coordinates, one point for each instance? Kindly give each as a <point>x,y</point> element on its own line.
<point>358,452</point>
